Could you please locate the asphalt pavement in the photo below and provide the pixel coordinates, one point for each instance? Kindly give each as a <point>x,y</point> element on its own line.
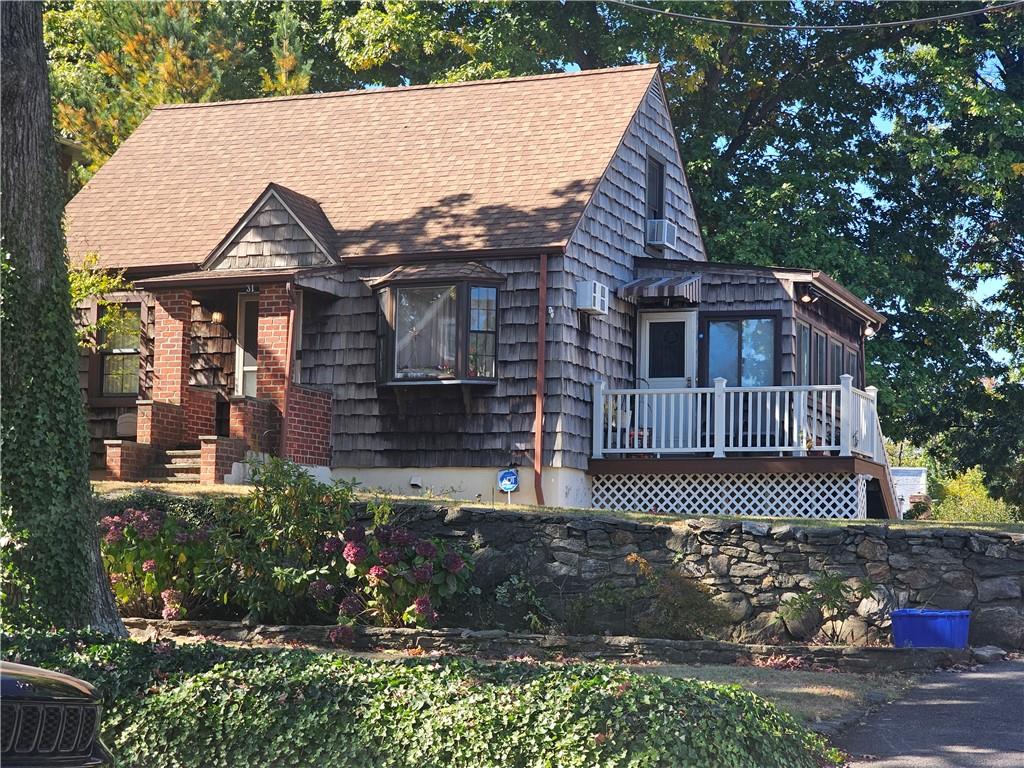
<point>951,720</point>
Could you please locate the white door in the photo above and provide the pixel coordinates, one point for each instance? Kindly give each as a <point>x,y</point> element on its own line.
<point>667,360</point>
<point>246,344</point>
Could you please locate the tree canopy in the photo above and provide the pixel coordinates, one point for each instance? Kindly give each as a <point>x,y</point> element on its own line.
<point>891,158</point>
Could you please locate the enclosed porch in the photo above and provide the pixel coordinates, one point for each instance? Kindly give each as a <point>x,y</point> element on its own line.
<point>226,377</point>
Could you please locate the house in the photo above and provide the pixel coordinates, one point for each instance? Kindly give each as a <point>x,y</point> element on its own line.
<point>417,287</point>
<point>910,485</point>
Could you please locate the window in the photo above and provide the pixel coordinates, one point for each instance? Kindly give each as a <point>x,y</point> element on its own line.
<point>444,332</point>
<point>742,351</point>
<point>820,358</point>
<point>425,332</point>
<point>803,353</point>
<point>119,356</point>
<point>835,365</point>
<point>853,366</point>
<point>655,188</point>
<point>483,332</point>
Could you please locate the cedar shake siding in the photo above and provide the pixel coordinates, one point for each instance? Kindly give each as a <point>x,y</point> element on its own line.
<point>610,237</point>
<point>425,425</point>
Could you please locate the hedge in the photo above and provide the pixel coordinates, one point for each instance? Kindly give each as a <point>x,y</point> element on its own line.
<point>212,705</point>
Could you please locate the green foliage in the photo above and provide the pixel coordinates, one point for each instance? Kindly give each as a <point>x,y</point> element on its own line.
<point>43,437</point>
<point>208,705</point>
<point>397,579</point>
<point>17,609</point>
<point>270,543</point>
<point>89,282</point>
<point>291,74</point>
<point>156,562</point>
<point>519,597</point>
<point>830,597</point>
<point>288,551</point>
<point>964,498</point>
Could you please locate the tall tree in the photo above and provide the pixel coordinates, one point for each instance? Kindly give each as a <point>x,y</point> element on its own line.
<point>291,73</point>
<point>42,425</point>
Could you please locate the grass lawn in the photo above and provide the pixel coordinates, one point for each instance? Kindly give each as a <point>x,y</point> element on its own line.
<point>809,696</point>
<point>109,488</point>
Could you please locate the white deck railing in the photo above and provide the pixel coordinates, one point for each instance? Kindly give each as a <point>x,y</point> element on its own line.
<point>723,421</point>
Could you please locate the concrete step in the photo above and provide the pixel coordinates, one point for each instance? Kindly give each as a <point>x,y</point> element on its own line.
<point>179,467</point>
<point>182,461</point>
<point>183,453</point>
<point>176,479</point>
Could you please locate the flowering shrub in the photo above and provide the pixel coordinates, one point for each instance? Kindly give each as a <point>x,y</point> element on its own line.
<point>396,578</point>
<point>155,562</point>
<point>288,552</point>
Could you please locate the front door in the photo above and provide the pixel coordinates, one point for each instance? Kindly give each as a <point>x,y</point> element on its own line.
<point>667,361</point>
<point>246,338</point>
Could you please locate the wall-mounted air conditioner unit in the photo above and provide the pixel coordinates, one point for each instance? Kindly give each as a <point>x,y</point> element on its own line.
<point>592,297</point>
<point>661,232</point>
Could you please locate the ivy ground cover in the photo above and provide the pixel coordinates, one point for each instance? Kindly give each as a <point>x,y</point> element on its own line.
<point>211,705</point>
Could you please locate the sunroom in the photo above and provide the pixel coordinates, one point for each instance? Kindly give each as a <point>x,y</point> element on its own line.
<point>749,398</point>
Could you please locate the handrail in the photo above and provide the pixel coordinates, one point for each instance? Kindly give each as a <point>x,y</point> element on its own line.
<point>722,420</point>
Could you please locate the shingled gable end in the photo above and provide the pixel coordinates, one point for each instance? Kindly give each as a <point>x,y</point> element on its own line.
<point>415,287</point>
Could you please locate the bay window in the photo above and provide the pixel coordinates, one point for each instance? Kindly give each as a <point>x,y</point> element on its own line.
<point>441,333</point>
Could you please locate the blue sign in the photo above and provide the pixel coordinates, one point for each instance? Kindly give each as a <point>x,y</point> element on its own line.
<point>508,480</point>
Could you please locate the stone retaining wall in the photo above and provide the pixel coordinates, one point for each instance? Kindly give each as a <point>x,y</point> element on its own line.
<point>750,567</point>
<point>501,645</point>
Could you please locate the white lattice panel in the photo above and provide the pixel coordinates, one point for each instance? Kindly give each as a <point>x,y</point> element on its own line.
<point>770,495</point>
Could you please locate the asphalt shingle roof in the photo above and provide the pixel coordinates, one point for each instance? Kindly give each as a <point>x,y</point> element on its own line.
<point>493,164</point>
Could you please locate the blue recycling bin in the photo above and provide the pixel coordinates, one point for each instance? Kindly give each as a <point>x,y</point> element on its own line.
<point>926,628</point>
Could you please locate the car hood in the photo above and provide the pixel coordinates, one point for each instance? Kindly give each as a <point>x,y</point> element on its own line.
<point>18,681</point>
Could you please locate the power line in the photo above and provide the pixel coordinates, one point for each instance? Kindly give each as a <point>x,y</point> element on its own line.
<point>816,27</point>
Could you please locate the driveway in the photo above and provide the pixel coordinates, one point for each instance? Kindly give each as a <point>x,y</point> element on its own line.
<point>951,720</point>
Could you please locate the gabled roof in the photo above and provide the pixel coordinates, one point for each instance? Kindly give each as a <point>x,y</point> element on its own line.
<point>306,212</point>
<point>491,165</point>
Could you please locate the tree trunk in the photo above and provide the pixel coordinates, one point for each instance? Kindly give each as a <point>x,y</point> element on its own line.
<point>42,425</point>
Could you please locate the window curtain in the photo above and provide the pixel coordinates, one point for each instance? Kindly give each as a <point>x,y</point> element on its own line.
<point>425,330</point>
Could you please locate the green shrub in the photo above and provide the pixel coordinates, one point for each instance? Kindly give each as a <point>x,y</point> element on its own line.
<point>964,498</point>
<point>209,705</point>
<point>829,599</point>
<point>286,552</point>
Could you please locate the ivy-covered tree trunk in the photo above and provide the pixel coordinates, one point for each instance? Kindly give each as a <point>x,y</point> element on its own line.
<point>42,422</point>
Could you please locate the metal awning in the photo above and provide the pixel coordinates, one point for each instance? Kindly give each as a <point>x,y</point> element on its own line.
<point>685,287</point>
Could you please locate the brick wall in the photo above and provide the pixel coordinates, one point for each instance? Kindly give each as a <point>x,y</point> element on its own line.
<point>217,455</point>
<point>171,345</point>
<point>273,351</point>
<point>308,434</point>
<point>126,460</point>
<point>257,423</point>
<point>161,424</point>
<point>200,413</point>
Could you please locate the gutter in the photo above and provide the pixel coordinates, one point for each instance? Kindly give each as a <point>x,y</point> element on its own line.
<point>538,406</point>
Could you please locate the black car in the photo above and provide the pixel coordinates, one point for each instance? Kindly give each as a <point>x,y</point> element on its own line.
<point>48,719</point>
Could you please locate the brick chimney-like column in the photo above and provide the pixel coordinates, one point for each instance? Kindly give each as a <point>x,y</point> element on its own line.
<point>172,343</point>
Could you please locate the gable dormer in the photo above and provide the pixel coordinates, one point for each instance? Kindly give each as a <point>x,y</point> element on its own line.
<point>280,229</point>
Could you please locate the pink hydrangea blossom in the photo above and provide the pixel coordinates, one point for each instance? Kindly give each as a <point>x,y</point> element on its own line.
<point>355,552</point>
<point>389,556</point>
<point>425,549</point>
<point>149,566</point>
<point>453,563</point>
<point>423,573</point>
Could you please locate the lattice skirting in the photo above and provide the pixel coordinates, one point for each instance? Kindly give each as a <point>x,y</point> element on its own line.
<point>770,495</point>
